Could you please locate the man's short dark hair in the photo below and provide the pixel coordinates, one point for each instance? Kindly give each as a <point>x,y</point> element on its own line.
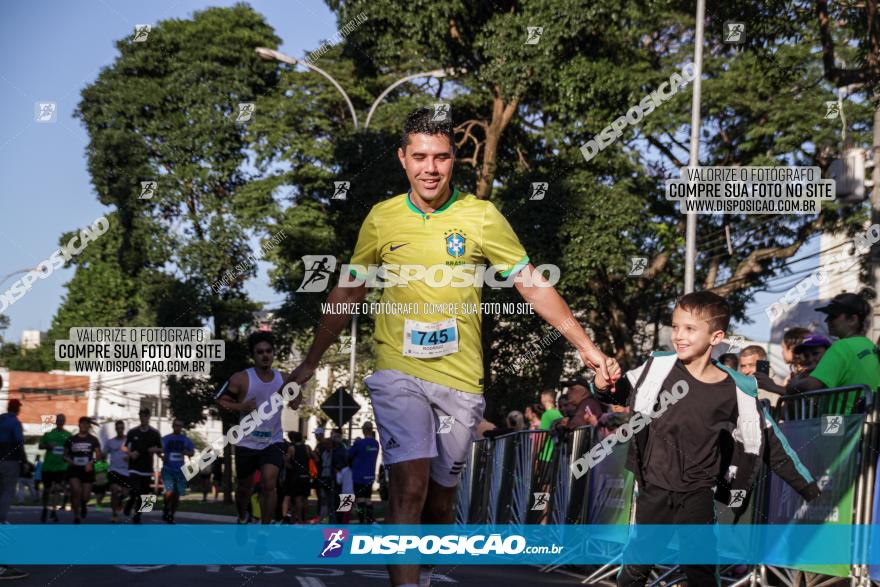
<point>257,337</point>
<point>144,412</point>
<point>794,336</point>
<point>708,306</point>
<point>421,121</point>
<point>754,350</point>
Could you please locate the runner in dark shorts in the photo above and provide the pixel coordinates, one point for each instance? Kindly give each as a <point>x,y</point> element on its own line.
<point>142,444</point>
<point>263,449</point>
<point>81,451</point>
<point>54,469</point>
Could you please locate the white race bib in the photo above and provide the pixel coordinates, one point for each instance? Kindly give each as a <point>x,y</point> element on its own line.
<point>80,461</point>
<point>175,457</point>
<point>426,340</point>
<point>58,450</point>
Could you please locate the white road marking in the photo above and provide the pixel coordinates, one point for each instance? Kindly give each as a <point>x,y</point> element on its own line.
<point>139,568</point>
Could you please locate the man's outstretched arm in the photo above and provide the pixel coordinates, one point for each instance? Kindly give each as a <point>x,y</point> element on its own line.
<point>329,328</point>
<point>550,306</point>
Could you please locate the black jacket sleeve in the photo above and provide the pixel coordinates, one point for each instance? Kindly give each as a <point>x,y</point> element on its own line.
<point>618,395</point>
<point>783,461</point>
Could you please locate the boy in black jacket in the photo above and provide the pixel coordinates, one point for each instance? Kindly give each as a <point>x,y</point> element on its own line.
<point>711,416</point>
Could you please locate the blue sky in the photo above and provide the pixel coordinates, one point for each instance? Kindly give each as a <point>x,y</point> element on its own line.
<point>51,53</point>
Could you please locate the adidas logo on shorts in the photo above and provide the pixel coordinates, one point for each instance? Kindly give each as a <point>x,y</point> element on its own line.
<point>391,444</point>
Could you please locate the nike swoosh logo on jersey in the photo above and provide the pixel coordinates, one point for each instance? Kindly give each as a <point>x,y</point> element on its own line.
<point>394,248</point>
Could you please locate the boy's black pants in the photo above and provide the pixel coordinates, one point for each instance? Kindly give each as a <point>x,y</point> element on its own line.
<point>656,505</point>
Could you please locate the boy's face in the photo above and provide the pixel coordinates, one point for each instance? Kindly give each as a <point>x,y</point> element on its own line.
<point>691,335</point>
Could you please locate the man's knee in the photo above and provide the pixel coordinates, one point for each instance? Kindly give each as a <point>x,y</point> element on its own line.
<point>409,492</point>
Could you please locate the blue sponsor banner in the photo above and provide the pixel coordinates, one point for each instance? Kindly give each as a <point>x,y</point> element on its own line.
<point>784,545</point>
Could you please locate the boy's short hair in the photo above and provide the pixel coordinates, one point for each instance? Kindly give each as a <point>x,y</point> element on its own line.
<point>421,121</point>
<point>709,306</point>
<point>794,336</point>
<point>257,337</point>
<point>754,350</point>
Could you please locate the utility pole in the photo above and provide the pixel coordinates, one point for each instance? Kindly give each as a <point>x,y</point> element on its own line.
<point>874,330</point>
<point>690,253</point>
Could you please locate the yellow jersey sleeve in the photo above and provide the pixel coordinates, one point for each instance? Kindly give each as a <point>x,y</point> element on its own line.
<point>366,251</point>
<point>500,245</point>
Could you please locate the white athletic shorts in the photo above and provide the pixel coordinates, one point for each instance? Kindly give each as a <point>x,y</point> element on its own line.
<point>418,419</point>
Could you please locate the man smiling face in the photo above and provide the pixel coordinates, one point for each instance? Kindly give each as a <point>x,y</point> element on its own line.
<point>428,160</point>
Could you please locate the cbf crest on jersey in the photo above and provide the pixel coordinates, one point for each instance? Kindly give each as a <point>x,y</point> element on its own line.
<point>455,242</point>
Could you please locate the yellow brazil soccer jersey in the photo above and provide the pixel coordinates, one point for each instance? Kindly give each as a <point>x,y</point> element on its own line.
<point>435,335</point>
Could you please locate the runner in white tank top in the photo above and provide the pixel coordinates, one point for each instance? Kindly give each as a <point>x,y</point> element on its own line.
<point>264,448</point>
<point>261,392</point>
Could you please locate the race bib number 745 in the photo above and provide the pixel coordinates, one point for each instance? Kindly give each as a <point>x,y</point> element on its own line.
<point>425,340</point>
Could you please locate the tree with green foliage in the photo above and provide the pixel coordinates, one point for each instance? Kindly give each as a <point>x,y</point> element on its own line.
<point>523,110</point>
<point>174,110</point>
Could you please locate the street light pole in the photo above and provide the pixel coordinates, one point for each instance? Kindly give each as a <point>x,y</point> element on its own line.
<point>432,73</point>
<point>267,53</point>
<point>690,257</point>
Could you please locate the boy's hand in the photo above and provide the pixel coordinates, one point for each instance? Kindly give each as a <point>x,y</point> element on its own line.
<point>613,368</point>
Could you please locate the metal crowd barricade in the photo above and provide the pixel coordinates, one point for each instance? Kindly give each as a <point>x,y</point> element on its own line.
<point>525,465</point>
<point>503,474</point>
<point>570,491</point>
<point>473,489</point>
<point>825,408</point>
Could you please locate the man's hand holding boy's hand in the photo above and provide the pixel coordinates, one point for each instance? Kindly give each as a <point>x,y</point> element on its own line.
<point>612,367</point>
<point>598,361</point>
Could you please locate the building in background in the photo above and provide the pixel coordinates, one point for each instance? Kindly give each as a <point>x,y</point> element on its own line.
<point>31,339</point>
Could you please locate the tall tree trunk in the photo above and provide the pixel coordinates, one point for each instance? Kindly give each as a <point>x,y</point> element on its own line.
<point>501,115</point>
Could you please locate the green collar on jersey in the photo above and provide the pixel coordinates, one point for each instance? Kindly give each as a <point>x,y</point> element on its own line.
<point>445,206</point>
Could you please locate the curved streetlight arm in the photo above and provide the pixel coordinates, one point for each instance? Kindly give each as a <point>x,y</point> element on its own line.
<point>433,73</point>
<point>266,53</point>
<point>8,275</point>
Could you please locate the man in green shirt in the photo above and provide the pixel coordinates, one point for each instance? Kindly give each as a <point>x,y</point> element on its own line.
<point>550,415</point>
<point>54,465</point>
<point>852,360</point>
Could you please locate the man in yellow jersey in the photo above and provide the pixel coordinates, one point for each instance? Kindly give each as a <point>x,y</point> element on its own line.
<point>427,391</point>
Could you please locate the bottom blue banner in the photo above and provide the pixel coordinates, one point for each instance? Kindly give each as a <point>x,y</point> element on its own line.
<point>777,545</point>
